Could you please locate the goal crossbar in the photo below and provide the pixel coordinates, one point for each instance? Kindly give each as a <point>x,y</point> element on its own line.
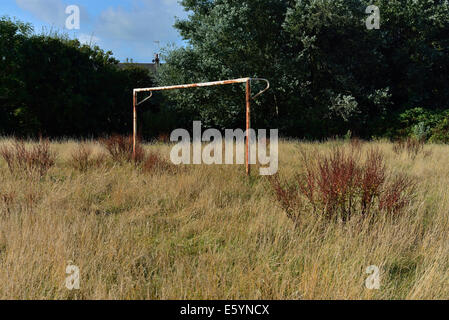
<point>200,85</point>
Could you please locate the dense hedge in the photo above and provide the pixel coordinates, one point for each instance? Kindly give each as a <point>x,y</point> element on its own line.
<point>54,86</point>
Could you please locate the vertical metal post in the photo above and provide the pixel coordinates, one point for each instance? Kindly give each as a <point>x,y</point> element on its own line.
<point>248,125</point>
<point>134,125</point>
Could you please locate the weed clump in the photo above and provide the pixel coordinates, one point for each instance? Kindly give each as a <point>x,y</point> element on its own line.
<point>155,163</point>
<point>120,149</point>
<point>82,158</point>
<point>412,146</point>
<point>341,185</point>
<point>164,138</point>
<point>36,160</point>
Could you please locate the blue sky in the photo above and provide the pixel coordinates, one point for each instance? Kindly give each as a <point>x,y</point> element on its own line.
<point>126,27</point>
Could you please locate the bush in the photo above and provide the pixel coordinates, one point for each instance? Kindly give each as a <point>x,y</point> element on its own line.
<point>340,185</point>
<point>82,159</point>
<point>120,148</point>
<point>399,193</point>
<point>164,138</point>
<point>40,71</point>
<point>35,160</point>
<point>155,163</point>
<point>425,125</point>
<point>412,146</point>
<point>416,123</point>
<point>440,134</point>
<point>356,144</point>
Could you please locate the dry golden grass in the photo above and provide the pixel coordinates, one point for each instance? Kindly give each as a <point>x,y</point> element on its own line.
<point>209,232</point>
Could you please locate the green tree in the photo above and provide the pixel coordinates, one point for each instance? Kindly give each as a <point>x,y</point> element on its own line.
<point>55,86</point>
<point>12,36</point>
<point>329,73</point>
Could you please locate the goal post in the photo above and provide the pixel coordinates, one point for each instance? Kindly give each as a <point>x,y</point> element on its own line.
<point>247,81</point>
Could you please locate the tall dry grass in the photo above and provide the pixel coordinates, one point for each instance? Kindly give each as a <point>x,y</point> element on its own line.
<point>209,232</point>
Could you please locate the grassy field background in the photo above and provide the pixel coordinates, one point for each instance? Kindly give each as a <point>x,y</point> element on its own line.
<point>209,232</point>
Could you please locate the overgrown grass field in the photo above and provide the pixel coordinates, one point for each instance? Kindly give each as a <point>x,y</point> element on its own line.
<point>154,231</point>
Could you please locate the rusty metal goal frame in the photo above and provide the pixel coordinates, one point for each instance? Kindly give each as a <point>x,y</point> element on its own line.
<point>199,85</point>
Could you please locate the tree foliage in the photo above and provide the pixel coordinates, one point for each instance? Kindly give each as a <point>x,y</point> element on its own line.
<point>329,74</point>
<point>54,86</point>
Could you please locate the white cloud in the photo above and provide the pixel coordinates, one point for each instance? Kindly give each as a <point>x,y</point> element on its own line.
<point>149,20</point>
<point>139,26</point>
<point>129,30</point>
<point>89,39</point>
<point>49,11</point>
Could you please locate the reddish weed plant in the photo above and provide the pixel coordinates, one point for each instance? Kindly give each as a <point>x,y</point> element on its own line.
<point>164,138</point>
<point>341,185</point>
<point>155,163</point>
<point>412,146</point>
<point>356,143</point>
<point>82,158</point>
<point>36,160</point>
<point>120,148</point>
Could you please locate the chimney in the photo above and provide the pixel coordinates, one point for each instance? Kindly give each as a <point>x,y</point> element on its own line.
<point>157,61</point>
